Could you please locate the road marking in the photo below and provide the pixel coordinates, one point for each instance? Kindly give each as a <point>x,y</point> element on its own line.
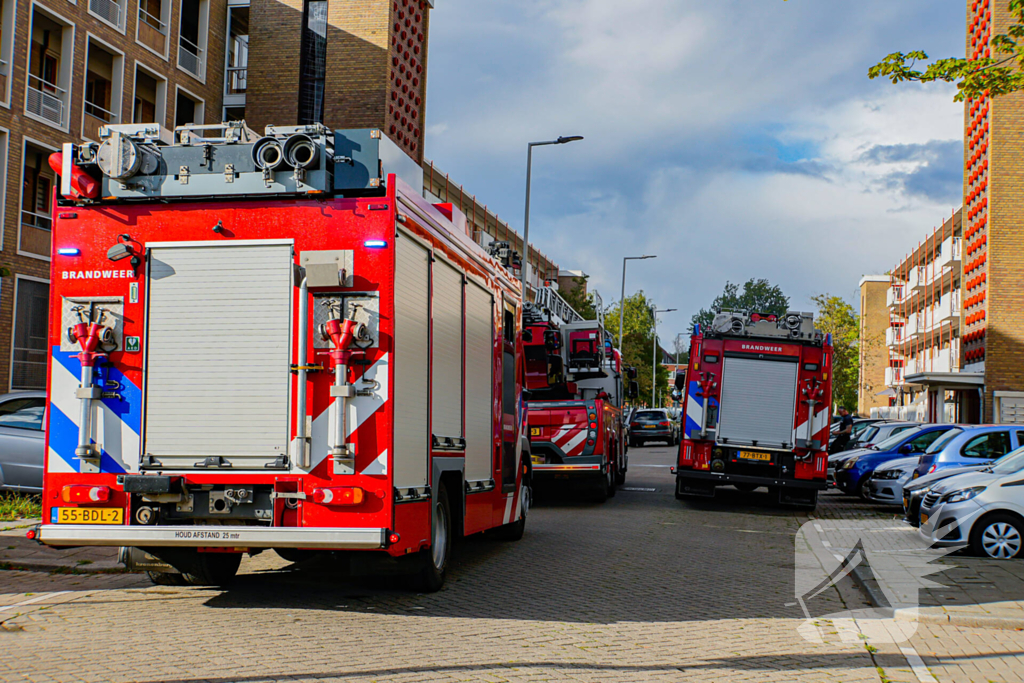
<point>633,488</point>
<point>639,465</point>
<point>38,598</point>
<point>917,665</point>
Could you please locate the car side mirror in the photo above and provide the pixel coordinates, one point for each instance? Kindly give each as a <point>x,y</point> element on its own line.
<point>680,383</point>
<point>633,390</point>
<point>528,336</point>
<point>905,449</point>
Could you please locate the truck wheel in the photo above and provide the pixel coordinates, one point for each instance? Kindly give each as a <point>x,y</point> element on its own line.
<point>745,488</point>
<point>602,490</point>
<point>167,578</point>
<point>515,530</point>
<point>620,477</point>
<point>295,555</point>
<point>212,569</point>
<point>434,560</point>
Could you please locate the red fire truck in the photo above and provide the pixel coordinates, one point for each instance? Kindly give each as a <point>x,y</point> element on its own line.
<point>757,396</point>
<point>275,342</point>
<point>575,384</point>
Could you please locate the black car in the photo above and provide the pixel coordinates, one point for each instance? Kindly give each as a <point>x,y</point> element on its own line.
<point>653,425</point>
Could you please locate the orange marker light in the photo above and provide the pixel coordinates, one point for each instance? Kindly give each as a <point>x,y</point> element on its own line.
<point>80,493</point>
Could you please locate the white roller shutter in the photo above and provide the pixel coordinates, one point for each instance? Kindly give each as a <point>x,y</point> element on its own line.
<point>412,337</point>
<point>479,382</point>
<point>446,368</point>
<point>758,403</point>
<point>217,355</point>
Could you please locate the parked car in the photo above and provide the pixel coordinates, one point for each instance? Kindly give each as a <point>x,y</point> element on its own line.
<point>984,509</point>
<point>879,432</point>
<point>653,425</point>
<point>853,474</point>
<point>859,425</point>
<point>22,440</point>
<point>970,445</point>
<point>836,460</point>
<point>915,490</point>
<point>885,485</point>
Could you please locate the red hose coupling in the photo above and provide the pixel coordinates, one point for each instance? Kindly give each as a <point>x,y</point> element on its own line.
<point>88,336</point>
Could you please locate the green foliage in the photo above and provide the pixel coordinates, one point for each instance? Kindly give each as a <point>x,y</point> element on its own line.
<point>638,351</point>
<point>637,321</point>
<point>998,75</point>
<point>22,506</point>
<point>575,297</point>
<point>836,317</point>
<point>757,296</point>
<point>4,271</point>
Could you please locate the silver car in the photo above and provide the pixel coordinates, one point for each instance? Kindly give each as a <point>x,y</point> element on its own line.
<point>886,483</point>
<point>22,440</point>
<point>983,509</point>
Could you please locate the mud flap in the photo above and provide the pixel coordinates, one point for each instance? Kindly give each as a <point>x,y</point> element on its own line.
<point>694,487</point>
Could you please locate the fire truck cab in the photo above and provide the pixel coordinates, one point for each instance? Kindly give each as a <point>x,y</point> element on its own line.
<point>575,385</point>
<point>275,342</point>
<point>756,401</point>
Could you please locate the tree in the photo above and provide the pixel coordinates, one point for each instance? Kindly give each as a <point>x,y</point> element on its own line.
<point>577,297</point>
<point>998,75</point>
<point>637,321</point>
<point>757,296</point>
<point>638,351</point>
<point>836,317</point>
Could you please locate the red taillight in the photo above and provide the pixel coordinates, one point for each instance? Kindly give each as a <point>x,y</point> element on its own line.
<point>593,425</point>
<point>348,495</point>
<point>932,468</point>
<point>394,538</point>
<point>81,493</point>
<point>663,424</point>
<point>30,534</point>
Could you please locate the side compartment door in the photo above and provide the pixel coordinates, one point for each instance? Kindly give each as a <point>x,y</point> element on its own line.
<point>412,363</point>
<point>479,382</point>
<point>509,399</point>
<point>446,347</point>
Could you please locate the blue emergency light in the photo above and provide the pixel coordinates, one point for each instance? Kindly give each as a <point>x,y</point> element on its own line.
<point>68,251</point>
<point>375,244</point>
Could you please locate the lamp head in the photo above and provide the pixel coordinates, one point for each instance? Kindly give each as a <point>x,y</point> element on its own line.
<point>570,138</point>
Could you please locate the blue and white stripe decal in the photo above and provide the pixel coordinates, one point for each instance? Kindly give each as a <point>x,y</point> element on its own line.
<point>694,409</point>
<point>117,423</point>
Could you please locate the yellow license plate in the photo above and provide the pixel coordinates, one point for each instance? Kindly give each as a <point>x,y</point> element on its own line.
<point>650,426</point>
<point>537,459</point>
<point>534,431</point>
<point>924,519</point>
<point>754,455</point>
<point>89,516</point>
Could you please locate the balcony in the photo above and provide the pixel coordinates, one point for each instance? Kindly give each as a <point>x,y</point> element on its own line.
<point>190,57</point>
<point>35,233</point>
<point>4,70</point>
<point>109,11</point>
<point>234,80</point>
<point>152,31</point>
<point>894,336</point>
<point>893,376</point>
<point>893,295</point>
<point>915,279</point>
<point>46,100</point>
<point>950,253</point>
<point>913,328</point>
<point>96,117</point>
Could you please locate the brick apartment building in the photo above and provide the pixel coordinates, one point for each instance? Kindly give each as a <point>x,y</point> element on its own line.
<point>873,353</point>
<point>981,377</point>
<point>67,67</point>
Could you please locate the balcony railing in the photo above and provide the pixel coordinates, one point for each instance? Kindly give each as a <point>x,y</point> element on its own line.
<point>234,80</point>
<point>894,295</point>
<point>41,221</point>
<point>45,100</point>
<point>152,21</point>
<point>3,68</point>
<point>108,10</point>
<point>894,336</point>
<point>99,112</point>
<point>190,57</point>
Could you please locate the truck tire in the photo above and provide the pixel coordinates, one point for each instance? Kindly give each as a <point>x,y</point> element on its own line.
<point>213,569</point>
<point>603,488</point>
<point>745,488</point>
<point>620,477</point>
<point>167,578</point>
<point>515,530</point>
<point>295,555</point>
<point>433,561</point>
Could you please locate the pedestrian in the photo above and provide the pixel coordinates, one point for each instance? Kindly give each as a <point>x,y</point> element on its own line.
<point>844,432</point>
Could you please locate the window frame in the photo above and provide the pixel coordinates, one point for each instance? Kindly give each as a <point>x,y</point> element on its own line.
<point>14,317</point>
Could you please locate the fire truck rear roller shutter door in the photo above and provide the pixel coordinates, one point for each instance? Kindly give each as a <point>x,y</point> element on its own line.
<point>446,397</point>
<point>217,354</point>
<point>758,402</point>
<point>479,382</point>
<point>411,359</point>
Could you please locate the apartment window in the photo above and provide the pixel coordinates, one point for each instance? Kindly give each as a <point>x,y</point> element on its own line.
<point>51,45</point>
<point>6,47</point>
<point>150,98</point>
<point>36,194</point>
<point>151,29</point>
<point>109,11</point>
<point>192,37</point>
<point>233,114</point>
<point>31,306</point>
<point>237,55</point>
<point>313,62</point>
<point>102,89</point>
<point>187,109</point>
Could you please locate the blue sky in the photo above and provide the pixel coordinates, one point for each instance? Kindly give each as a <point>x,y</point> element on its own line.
<point>733,138</point>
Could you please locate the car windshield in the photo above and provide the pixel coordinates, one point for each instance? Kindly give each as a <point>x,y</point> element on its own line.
<point>941,442</point>
<point>650,416</point>
<point>864,435</point>
<point>1010,463</point>
<point>895,440</point>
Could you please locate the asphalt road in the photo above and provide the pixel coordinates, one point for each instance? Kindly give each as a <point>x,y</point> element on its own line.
<point>640,588</point>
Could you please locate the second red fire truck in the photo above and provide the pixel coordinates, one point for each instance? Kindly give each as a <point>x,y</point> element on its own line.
<point>275,342</point>
<point>756,403</point>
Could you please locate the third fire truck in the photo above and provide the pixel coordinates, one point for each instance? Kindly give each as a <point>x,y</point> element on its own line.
<point>756,405</point>
<point>575,382</point>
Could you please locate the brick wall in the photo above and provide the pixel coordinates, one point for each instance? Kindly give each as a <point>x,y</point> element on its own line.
<point>22,127</point>
<point>275,42</point>
<point>874,355</point>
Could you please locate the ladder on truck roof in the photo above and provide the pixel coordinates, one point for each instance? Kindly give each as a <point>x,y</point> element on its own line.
<point>548,298</point>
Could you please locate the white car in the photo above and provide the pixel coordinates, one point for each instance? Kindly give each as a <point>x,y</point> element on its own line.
<point>887,481</point>
<point>982,509</point>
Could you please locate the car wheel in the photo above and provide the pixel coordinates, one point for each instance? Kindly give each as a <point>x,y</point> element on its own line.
<point>434,560</point>
<point>998,536</point>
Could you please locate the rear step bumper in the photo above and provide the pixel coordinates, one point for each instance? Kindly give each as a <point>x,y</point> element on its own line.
<point>727,479</point>
<point>211,536</point>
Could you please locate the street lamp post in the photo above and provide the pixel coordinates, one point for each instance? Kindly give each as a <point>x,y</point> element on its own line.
<point>654,362</point>
<point>622,295</point>
<point>526,221</point>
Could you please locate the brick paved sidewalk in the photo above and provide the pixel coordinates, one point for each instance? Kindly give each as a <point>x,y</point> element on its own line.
<point>17,552</point>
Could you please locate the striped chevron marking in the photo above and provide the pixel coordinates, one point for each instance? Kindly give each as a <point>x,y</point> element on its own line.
<point>360,408</point>
<point>694,408</point>
<point>571,438</point>
<point>819,425</point>
<point>117,423</point>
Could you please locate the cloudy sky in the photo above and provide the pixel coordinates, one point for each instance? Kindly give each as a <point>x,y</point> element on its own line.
<point>732,138</point>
